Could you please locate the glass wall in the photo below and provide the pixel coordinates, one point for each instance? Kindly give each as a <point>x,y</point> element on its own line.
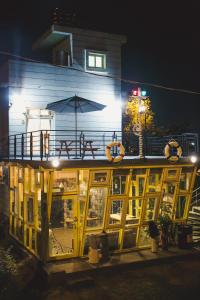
<point>64,208</point>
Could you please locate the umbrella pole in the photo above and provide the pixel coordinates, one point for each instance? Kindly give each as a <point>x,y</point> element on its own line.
<point>76,131</point>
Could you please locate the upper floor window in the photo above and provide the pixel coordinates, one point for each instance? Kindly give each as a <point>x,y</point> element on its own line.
<point>95,61</point>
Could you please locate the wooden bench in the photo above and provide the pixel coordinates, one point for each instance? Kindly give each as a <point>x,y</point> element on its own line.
<point>64,146</point>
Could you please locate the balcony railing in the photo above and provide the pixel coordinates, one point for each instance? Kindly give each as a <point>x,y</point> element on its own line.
<point>68,144</point>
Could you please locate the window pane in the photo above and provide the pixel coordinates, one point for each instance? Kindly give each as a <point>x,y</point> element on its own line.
<point>116,211</point>
<point>99,62</point>
<point>185,179</point>
<point>65,181</point>
<point>180,207</point>
<point>30,210</point>
<point>119,182</point>
<point>150,209</point>
<point>96,208</point>
<point>91,61</point>
<point>168,198</point>
<point>154,180</point>
<point>130,237</point>
<point>144,239</point>
<point>133,211</point>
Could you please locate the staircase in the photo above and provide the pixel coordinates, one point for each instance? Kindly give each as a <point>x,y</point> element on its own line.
<point>194,216</point>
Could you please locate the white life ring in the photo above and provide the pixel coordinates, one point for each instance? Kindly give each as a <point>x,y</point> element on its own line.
<point>117,158</point>
<point>168,148</point>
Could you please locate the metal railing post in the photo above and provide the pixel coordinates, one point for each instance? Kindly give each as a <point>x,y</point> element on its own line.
<point>15,145</point>
<point>22,146</point>
<point>31,146</point>
<point>41,145</point>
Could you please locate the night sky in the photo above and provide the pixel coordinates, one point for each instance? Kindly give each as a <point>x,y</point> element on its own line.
<point>163,45</point>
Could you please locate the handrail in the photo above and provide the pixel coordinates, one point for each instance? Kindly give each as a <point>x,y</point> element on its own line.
<point>42,144</point>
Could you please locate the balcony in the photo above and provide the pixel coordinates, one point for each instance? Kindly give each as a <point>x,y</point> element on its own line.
<point>69,145</point>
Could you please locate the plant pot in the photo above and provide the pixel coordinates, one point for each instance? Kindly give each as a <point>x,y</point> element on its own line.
<point>154,245</point>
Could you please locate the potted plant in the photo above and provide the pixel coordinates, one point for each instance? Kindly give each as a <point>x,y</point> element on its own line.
<point>154,235</point>
<point>165,224</point>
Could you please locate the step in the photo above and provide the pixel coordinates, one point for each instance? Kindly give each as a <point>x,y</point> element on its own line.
<point>196,209</point>
<point>194,215</point>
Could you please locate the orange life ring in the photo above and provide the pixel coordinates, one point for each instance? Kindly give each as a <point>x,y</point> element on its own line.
<point>117,158</point>
<point>169,148</point>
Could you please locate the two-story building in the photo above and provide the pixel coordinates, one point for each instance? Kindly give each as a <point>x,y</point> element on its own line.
<point>54,206</point>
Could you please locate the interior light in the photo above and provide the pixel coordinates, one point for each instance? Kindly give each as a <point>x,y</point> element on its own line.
<point>193,159</point>
<point>55,163</point>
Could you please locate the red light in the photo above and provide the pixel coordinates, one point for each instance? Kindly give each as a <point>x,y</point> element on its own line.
<point>135,92</point>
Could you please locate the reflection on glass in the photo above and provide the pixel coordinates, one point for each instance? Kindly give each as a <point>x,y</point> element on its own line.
<point>116,211</point>
<point>150,209</point>
<point>62,226</point>
<point>185,179</point>
<point>99,177</point>
<point>168,198</point>
<point>180,207</point>
<point>96,207</point>
<point>119,181</point>
<point>130,237</point>
<point>83,182</point>
<point>133,211</point>
<point>138,180</point>
<point>65,181</point>
<point>154,180</point>
<point>144,239</point>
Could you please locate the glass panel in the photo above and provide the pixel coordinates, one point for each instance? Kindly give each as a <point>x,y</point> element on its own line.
<point>65,181</point>
<point>99,61</point>
<point>144,239</point>
<point>119,181</point>
<point>172,173</point>
<point>185,179</point>
<point>62,227</point>
<point>133,211</point>
<point>99,177</point>
<point>91,61</point>
<point>113,240</point>
<point>150,209</point>
<point>154,181</point>
<point>168,198</point>
<point>39,208</point>
<point>30,210</point>
<point>130,237</point>
<point>180,207</point>
<point>97,200</point>
<point>116,211</point>
<point>83,182</point>
<point>138,181</point>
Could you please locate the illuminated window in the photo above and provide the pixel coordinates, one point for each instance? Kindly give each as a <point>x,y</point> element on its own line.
<point>95,61</point>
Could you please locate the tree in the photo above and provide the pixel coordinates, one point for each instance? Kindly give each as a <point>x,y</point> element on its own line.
<point>135,109</point>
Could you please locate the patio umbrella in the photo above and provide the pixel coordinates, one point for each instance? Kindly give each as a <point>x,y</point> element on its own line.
<point>75,105</point>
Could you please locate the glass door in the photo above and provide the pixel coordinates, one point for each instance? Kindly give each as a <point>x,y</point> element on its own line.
<point>37,120</point>
<point>63,227</point>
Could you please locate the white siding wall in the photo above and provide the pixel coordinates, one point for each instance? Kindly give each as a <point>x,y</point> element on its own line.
<point>37,84</point>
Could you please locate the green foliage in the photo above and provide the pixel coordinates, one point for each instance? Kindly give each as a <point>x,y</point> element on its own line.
<point>153,231</point>
<point>164,222</point>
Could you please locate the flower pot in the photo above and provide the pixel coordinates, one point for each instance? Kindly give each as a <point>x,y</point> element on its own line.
<point>154,245</point>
